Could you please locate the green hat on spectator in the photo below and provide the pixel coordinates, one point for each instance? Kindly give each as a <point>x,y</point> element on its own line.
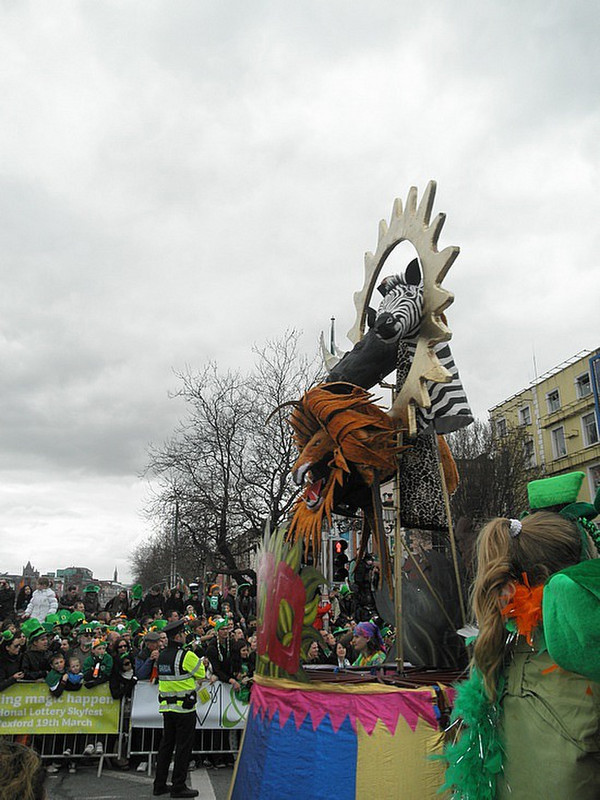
<point>134,626</point>
<point>345,589</point>
<point>87,628</point>
<point>137,591</point>
<point>75,617</point>
<point>221,623</point>
<point>52,619</point>
<point>158,624</point>
<point>7,636</point>
<point>91,587</point>
<point>33,629</point>
<point>64,617</point>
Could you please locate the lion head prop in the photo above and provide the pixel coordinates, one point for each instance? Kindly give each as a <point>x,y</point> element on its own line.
<point>347,444</point>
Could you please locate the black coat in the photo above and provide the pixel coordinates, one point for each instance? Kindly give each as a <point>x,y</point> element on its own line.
<point>151,604</point>
<point>174,604</point>
<point>221,662</point>
<point>68,601</point>
<point>7,602</point>
<point>35,664</point>
<point>23,600</point>
<point>117,605</point>
<point>8,666</point>
<point>91,603</point>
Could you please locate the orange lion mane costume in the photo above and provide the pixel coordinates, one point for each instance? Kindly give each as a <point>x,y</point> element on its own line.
<point>331,431</point>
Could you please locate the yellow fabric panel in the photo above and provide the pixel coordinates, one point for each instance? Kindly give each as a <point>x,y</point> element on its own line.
<point>397,767</point>
<point>344,688</point>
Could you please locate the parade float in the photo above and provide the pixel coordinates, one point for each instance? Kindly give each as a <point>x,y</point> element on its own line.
<point>362,732</point>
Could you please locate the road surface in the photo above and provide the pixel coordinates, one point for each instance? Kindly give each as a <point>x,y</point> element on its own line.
<point>213,784</point>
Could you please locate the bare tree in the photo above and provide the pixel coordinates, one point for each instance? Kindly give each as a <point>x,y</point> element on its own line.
<point>494,471</point>
<point>226,466</point>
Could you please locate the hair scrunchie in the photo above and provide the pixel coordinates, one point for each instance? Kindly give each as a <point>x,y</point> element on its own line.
<point>515,527</point>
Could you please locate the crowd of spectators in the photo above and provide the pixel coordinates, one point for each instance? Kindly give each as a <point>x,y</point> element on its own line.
<point>72,644</point>
<point>347,636</point>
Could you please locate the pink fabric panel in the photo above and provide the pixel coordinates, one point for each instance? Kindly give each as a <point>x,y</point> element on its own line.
<point>366,708</point>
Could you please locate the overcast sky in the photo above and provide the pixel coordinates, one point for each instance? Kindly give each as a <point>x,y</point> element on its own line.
<point>183,179</point>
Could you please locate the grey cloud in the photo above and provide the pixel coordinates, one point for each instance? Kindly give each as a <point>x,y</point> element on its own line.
<point>182,181</point>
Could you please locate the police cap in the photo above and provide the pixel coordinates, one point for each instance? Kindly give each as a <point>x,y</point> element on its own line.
<point>174,627</point>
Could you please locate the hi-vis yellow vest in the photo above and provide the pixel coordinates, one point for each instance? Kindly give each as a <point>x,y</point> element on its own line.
<point>178,671</point>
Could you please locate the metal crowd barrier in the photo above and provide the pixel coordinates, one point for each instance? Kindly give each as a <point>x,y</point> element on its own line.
<point>128,742</point>
<point>52,746</point>
<point>143,743</point>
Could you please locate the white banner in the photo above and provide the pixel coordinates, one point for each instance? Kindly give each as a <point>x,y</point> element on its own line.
<point>223,709</point>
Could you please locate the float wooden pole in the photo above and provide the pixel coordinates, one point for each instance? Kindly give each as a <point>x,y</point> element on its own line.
<point>446,496</point>
<point>398,539</point>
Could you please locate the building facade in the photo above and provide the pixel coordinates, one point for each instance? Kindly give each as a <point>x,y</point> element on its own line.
<point>560,416</point>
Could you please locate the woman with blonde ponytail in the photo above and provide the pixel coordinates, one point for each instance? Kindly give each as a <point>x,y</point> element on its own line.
<point>539,545</point>
<point>528,729</point>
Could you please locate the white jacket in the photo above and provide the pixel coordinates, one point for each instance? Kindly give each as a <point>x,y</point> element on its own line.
<point>42,603</point>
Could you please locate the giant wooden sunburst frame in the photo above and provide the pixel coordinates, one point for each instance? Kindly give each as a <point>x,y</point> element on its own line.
<point>412,224</point>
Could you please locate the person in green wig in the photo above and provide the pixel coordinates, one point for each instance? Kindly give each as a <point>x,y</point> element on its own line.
<point>528,718</point>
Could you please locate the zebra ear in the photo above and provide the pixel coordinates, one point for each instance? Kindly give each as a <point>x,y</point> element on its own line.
<point>412,274</point>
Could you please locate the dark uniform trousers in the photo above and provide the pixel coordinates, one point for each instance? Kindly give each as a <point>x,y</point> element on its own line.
<point>178,734</point>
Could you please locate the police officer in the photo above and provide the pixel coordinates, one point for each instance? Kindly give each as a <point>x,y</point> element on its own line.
<point>178,671</point>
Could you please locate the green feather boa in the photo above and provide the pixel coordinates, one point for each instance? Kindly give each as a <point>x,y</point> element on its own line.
<point>475,757</point>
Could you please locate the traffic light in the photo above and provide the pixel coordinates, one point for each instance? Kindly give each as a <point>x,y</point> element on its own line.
<point>340,561</point>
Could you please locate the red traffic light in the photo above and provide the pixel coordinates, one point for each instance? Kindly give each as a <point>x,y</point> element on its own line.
<point>340,546</point>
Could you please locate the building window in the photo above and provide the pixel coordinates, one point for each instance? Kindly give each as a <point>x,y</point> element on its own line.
<point>553,401</point>
<point>583,385</point>
<point>529,453</point>
<point>501,427</point>
<point>594,473</point>
<point>525,415</point>
<point>590,429</point>
<point>559,446</point>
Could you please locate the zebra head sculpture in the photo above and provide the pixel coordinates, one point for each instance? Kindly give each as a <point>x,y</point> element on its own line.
<point>408,331</point>
<point>397,318</point>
